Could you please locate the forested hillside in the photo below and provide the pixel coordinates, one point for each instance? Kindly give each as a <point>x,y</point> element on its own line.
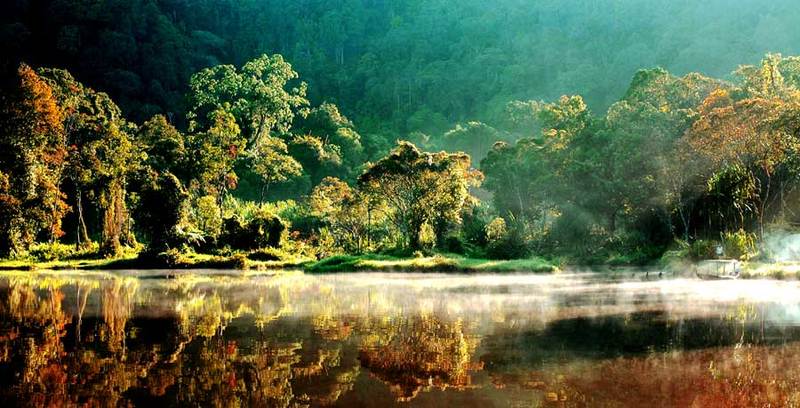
<point>396,66</point>
<point>490,130</point>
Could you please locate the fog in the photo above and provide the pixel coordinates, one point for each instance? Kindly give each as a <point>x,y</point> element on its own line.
<point>526,298</point>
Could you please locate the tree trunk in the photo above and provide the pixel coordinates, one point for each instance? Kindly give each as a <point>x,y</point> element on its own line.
<point>413,238</point>
<point>763,205</point>
<point>685,221</point>
<point>113,219</point>
<point>369,227</point>
<point>612,221</point>
<point>264,188</point>
<point>82,232</point>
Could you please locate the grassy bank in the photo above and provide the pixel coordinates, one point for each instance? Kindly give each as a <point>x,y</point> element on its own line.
<point>339,263</point>
<point>439,263</point>
<point>186,261</point>
<point>775,270</point>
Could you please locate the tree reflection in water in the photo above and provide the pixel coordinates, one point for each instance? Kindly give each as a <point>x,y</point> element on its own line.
<point>421,351</point>
<point>203,340</point>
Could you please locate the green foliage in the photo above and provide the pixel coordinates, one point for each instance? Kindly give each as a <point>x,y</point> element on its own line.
<point>739,244</point>
<point>239,261</point>
<point>454,244</point>
<point>58,251</point>
<point>438,263</point>
<point>101,156</point>
<point>269,254</point>
<point>473,138</point>
<point>420,188</point>
<point>255,96</point>
<point>343,263</point>
<point>215,152</point>
<point>348,213</point>
<point>272,163</point>
<point>496,230</point>
<point>206,215</point>
<point>32,162</point>
<point>668,157</point>
<point>161,213</point>
<point>164,145</point>
<point>261,231</point>
<point>170,258</point>
<point>703,249</point>
<point>407,65</point>
<point>337,133</point>
<point>505,242</point>
<point>473,226</point>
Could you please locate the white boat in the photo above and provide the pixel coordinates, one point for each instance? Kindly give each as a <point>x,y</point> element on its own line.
<point>718,269</point>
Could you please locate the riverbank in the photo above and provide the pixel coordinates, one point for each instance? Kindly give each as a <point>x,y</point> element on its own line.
<point>776,270</point>
<point>437,263</point>
<point>358,263</point>
<point>353,263</point>
<point>185,261</point>
<point>337,263</point>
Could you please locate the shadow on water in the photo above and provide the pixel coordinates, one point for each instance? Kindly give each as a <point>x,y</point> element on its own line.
<point>214,339</point>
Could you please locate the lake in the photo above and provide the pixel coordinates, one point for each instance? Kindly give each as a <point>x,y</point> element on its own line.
<point>224,338</point>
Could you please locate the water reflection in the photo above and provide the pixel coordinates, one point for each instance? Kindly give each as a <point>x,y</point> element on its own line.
<point>206,339</point>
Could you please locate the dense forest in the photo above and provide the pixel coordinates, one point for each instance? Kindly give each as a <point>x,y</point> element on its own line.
<point>491,130</point>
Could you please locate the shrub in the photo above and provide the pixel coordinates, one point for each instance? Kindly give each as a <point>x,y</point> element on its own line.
<point>496,230</point>
<point>260,232</point>
<point>206,214</point>
<point>473,226</point>
<point>454,244</point>
<point>427,236</point>
<point>266,231</point>
<point>340,263</point>
<point>58,251</point>
<point>170,258</point>
<point>267,254</point>
<point>161,212</point>
<point>573,230</point>
<point>740,244</point>
<point>703,249</point>
<point>504,242</point>
<point>676,255</point>
<point>239,261</point>
<point>508,248</point>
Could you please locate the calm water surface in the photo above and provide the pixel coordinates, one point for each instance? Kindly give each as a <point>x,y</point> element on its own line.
<point>223,339</point>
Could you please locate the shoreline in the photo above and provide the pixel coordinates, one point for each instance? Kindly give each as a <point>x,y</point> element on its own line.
<point>371,263</point>
<point>333,264</point>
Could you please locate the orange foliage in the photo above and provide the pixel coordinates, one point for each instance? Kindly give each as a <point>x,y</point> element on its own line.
<point>739,132</point>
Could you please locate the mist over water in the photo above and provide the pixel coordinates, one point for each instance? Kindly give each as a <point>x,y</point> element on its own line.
<point>576,339</point>
<point>783,246</point>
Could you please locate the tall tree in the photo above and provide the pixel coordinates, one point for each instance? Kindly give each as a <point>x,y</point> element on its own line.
<point>165,146</point>
<point>32,159</point>
<point>742,135</point>
<point>101,156</point>
<point>345,211</point>
<point>331,127</point>
<point>420,188</point>
<point>256,96</point>
<point>273,164</point>
<point>216,152</point>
